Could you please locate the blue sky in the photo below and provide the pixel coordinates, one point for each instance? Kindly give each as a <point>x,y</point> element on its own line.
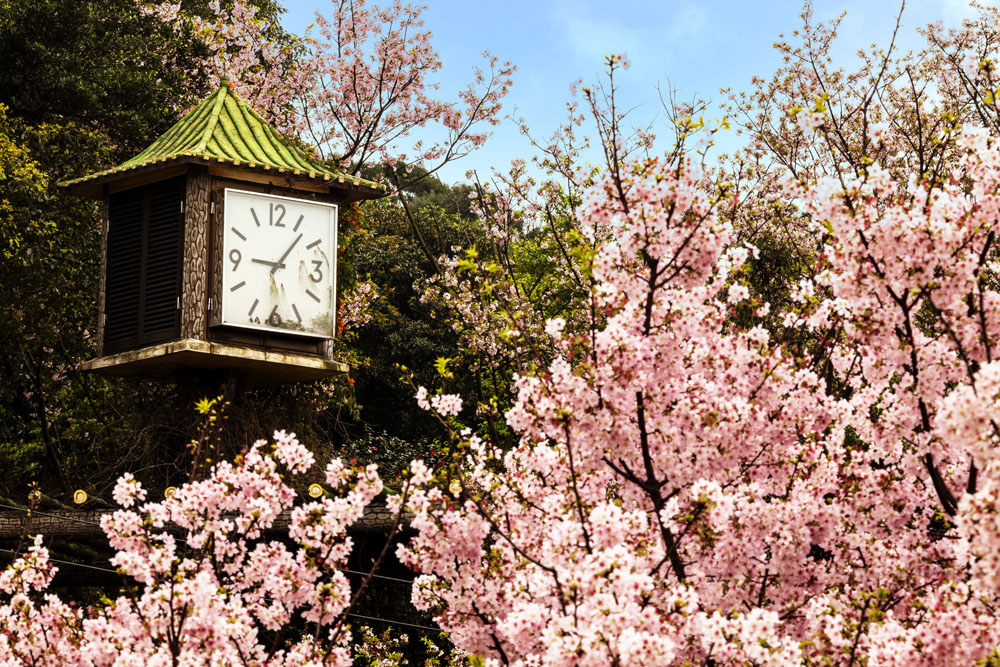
<point>699,47</point>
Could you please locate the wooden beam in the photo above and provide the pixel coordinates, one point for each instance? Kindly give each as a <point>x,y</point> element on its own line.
<point>80,524</point>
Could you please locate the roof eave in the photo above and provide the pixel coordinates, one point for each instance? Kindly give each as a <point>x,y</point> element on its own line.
<point>350,189</point>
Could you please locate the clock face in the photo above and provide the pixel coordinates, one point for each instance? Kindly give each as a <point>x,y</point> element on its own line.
<point>279,264</point>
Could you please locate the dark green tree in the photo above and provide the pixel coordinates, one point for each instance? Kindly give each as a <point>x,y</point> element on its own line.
<point>81,89</point>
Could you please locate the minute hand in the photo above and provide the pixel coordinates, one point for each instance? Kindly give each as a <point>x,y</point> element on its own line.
<point>281,260</point>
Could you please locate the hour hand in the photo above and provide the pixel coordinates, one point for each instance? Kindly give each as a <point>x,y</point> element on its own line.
<point>273,265</point>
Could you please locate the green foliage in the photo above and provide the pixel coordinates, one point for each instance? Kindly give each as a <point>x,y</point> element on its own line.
<point>204,405</point>
<point>51,258</point>
<point>382,247</point>
<point>428,193</point>
<point>22,181</point>
<point>81,88</point>
<point>389,648</point>
<point>441,365</point>
<point>97,64</point>
<point>992,660</point>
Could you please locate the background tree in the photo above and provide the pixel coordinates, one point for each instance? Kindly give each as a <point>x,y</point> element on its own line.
<point>82,95</point>
<point>78,96</point>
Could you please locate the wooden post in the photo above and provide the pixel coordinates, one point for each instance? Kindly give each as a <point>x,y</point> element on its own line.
<point>102,290</point>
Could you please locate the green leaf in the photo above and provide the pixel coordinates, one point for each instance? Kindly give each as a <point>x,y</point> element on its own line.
<point>441,365</point>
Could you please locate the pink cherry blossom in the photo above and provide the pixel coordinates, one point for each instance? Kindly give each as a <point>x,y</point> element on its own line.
<point>686,490</point>
<point>211,590</point>
<point>128,491</point>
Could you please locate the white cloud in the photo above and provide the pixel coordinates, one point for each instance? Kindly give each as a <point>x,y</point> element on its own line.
<point>954,11</point>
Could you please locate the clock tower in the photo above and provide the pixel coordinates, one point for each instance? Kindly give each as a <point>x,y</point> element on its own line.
<point>219,252</point>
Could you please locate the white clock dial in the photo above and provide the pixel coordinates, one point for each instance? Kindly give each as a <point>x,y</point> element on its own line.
<point>279,264</point>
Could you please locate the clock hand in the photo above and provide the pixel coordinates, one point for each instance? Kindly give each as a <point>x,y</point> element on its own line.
<point>268,262</point>
<point>281,260</point>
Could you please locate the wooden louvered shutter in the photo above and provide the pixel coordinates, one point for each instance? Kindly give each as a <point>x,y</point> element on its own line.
<point>145,236</point>
<point>162,263</point>
<point>123,292</point>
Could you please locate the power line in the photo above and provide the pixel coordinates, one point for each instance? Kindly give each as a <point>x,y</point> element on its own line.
<point>362,616</point>
<point>69,562</point>
<point>386,620</point>
<point>378,576</point>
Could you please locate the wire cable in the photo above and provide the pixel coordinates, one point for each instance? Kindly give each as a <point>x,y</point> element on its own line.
<point>386,620</point>
<point>69,562</point>
<point>378,576</point>
<point>362,616</point>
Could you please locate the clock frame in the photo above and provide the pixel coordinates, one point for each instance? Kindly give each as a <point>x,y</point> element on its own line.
<point>279,259</point>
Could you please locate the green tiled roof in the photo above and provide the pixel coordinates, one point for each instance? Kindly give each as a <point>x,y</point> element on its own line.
<point>225,129</point>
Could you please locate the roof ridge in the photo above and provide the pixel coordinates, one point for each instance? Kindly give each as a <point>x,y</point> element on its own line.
<point>213,119</point>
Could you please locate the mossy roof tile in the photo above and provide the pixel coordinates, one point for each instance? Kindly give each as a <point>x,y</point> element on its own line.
<point>225,129</point>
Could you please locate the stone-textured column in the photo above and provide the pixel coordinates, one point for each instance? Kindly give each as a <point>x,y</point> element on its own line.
<point>194,299</point>
<point>215,260</point>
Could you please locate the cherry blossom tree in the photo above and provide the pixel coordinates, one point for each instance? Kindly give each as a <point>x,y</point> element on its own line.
<point>900,109</point>
<point>535,260</point>
<point>357,89</point>
<point>704,477</point>
<point>208,587</point>
<point>372,66</point>
<point>686,489</point>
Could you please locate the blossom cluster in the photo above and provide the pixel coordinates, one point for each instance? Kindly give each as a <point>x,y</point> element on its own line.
<point>212,584</point>
<point>355,308</point>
